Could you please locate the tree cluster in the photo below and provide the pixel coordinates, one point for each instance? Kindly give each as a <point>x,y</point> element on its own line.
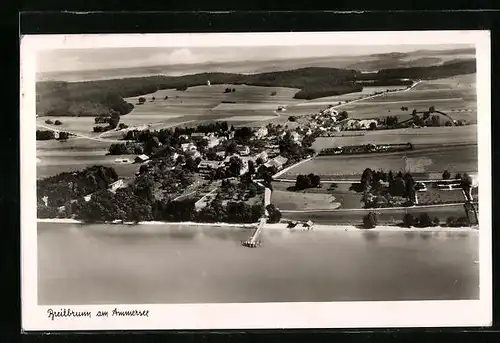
<point>307,181</point>
<point>370,220</point>
<point>67,186</point>
<point>375,194</point>
<point>420,220</point>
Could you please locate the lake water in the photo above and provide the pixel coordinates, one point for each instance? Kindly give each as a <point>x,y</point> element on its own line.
<point>122,264</point>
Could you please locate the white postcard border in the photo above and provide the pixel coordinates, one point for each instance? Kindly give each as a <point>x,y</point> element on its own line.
<point>255,315</point>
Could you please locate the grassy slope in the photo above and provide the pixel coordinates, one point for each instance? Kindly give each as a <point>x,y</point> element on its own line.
<point>101,97</point>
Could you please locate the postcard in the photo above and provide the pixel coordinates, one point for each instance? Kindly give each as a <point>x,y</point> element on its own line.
<point>255,180</point>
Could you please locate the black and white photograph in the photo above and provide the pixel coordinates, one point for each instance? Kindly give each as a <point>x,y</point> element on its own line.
<point>264,180</point>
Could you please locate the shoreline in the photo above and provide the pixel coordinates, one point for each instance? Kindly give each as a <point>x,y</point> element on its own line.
<point>277,226</point>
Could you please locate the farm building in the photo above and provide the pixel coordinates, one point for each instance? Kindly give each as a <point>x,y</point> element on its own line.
<point>309,225</point>
<point>141,158</point>
<point>277,162</point>
<point>117,185</point>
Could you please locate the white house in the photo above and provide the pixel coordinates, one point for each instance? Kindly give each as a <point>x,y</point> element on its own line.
<point>295,136</point>
<point>212,141</point>
<point>116,185</point>
<point>188,147</point>
<point>244,150</point>
<point>262,155</point>
<point>262,132</point>
<point>141,158</point>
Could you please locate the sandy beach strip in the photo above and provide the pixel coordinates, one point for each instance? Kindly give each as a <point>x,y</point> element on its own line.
<point>277,226</point>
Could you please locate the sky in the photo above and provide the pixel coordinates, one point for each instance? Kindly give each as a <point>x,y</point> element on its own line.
<point>110,58</point>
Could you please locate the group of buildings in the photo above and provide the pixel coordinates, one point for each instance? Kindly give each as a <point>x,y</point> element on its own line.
<point>330,120</point>
<point>268,156</point>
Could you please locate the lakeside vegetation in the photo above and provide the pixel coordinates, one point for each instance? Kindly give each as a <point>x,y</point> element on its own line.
<point>106,97</point>
<point>86,196</point>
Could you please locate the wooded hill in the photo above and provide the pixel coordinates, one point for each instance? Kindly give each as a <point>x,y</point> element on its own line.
<point>105,97</point>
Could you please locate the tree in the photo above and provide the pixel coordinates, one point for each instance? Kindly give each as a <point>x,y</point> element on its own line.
<point>435,121</point>
<point>191,164</point>
<point>251,167</point>
<point>342,115</point>
<point>292,118</point>
<point>432,109</point>
<point>302,182</point>
<point>273,213</point>
<point>314,180</point>
<point>373,126</point>
<point>466,184</point>
<point>57,122</point>
<point>424,220</point>
<point>451,221</point>
<point>408,220</point>
<point>446,175</point>
<point>49,122</point>
<point>458,176</point>
<point>44,135</point>
<point>435,221</point>
<point>370,220</point>
<point>366,179</point>
<point>231,148</point>
<point>398,186</point>
<point>243,134</point>
<point>235,165</point>
<point>410,187</point>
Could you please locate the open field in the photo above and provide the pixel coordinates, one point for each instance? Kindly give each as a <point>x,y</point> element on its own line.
<point>342,197</point>
<point>455,95</point>
<point>349,199</point>
<point>46,170</point>
<point>456,159</point>
<point>303,201</point>
<point>389,216</point>
<point>73,144</point>
<point>444,135</point>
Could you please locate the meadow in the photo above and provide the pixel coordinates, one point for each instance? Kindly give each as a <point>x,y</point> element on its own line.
<point>455,96</point>
<point>315,198</point>
<point>429,160</point>
<point>304,201</point>
<point>438,136</point>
